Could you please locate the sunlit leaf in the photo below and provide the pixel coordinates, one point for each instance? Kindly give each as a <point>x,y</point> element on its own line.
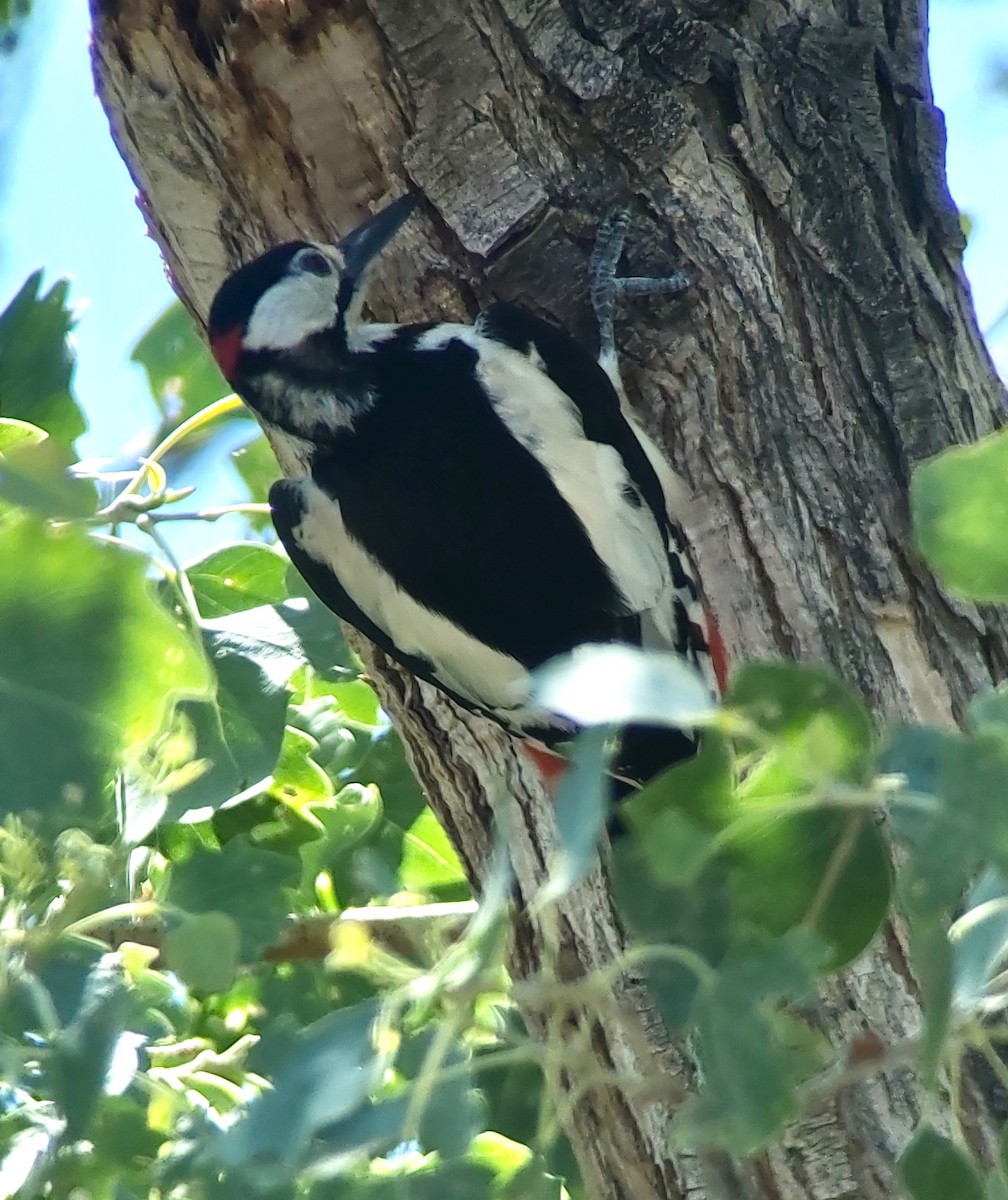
<point>234,578</point>
<point>357,702</point>
<point>615,684</point>
<point>960,510</point>
<point>203,950</point>
<point>89,666</point>
<point>14,433</point>
<point>429,860</point>
<point>297,779</point>
<point>25,1158</point>
<point>817,728</point>
<point>443,1181</point>
<point>37,361</point>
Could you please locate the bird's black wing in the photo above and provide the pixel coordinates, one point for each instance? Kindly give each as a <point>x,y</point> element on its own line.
<point>286,507</point>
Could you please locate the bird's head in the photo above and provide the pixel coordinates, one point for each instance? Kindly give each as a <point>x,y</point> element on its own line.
<point>283,297</point>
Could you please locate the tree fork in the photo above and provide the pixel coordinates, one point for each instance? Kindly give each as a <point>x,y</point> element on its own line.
<point>795,166</point>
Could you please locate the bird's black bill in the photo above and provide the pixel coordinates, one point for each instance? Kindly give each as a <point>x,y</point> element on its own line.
<point>369,239</point>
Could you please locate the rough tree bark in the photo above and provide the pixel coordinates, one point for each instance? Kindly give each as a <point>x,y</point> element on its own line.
<point>790,156</point>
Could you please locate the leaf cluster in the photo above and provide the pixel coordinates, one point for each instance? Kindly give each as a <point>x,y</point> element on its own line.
<point>240,957</point>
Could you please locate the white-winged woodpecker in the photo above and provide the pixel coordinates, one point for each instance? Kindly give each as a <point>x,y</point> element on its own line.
<point>475,499</point>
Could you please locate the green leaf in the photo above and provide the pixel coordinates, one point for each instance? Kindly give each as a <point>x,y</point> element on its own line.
<point>37,476</point>
<point>676,815</point>
<point>959,506</point>
<point>357,702</point>
<point>346,820</point>
<point>701,788</point>
<point>14,433</point>
<point>429,860</point>
<point>531,1183</point>
<point>931,954</point>
<point>203,951</point>
<point>316,629</point>
<point>273,1136</point>
<point>25,1158</point>
<point>979,940</point>
<point>238,577</point>
<point>675,848</point>
<point>83,1052</point>
<point>501,1155</point>
<point>124,1140</point>
<point>90,664</point>
<point>182,375</point>
<point>696,917</point>
<point>37,361</point>
<point>241,881</point>
<point>285,637</point>
<point>837,869</point>
<point>581,805</point>
<point>997,1187</point>
<point>239,733</point>
<point>813,733</point>
<point>933,1168</point>
<point>258,468</point>
<point>442,1181</point>
<point>694,814</point>
<point>962,824</point>
<point>818,727</point>
<point>988,713</point>
<point>256,463</point>
<point>743,1042</point>
<point>618,685</point>
<point>297,779</point>
<point>455,1114</point>
<point>369,1130</point>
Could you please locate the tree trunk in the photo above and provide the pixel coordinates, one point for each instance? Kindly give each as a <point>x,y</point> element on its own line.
<point>794,163</point>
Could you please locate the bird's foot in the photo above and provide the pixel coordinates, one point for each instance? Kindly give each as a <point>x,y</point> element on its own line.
<point>606,285</point>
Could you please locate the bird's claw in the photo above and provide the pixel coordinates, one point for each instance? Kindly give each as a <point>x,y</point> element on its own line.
<point>605,285</point>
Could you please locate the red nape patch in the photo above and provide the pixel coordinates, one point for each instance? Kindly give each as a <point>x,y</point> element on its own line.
<point>226,347</point>
<point>718,652</point>
<point>550,765</point>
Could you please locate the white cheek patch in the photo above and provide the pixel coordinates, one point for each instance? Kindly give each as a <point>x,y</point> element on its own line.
<point>293,309</point>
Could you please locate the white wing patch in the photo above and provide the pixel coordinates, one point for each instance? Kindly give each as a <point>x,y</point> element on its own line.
<point>487,677</point>
<point>590,476</point>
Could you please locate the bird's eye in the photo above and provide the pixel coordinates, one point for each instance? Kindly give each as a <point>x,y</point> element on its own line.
<point>312,261</point>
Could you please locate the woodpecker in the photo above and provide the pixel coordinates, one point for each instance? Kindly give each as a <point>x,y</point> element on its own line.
<point>475,499</point>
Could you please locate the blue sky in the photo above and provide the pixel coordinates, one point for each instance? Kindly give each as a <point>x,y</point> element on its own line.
<point>67,202</point>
